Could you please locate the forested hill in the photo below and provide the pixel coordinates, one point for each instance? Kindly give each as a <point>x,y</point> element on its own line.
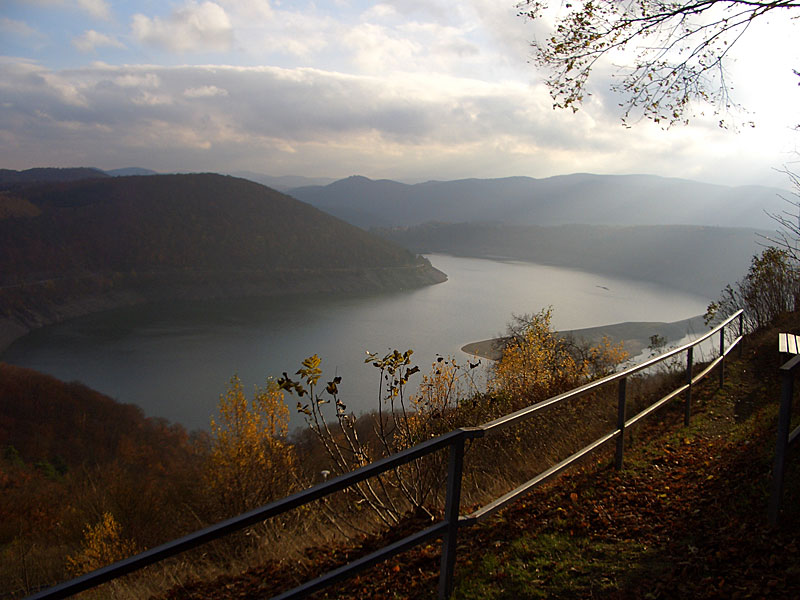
<point>66,247</point>
<point>580,198</point>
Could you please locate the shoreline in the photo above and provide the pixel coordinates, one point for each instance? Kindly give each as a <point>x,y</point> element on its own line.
<point>38,310</point>
<point>635,336</point>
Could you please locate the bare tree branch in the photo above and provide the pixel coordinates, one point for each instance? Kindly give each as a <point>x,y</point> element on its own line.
<point>679,50</point>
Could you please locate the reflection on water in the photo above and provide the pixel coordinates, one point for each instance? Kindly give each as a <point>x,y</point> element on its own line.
<point>175,359</point>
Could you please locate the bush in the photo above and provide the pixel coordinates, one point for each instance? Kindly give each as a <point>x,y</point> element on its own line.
<point>250,462</point>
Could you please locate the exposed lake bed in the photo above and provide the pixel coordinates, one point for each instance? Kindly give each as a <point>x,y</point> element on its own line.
<point>635,336</point>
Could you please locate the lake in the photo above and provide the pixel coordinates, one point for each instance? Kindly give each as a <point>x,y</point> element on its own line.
<point>174,360</point>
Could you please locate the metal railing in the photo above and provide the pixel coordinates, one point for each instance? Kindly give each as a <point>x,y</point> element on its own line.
<point>785,439</point>
<point>448,527</point>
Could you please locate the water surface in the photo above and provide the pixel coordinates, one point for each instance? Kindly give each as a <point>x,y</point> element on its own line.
<point>174,359</point>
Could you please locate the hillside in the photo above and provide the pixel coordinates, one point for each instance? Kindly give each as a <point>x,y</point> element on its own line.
<point>685,518</point>
<point>578,198</point>
<point>67,455</point>
<point>76,247</point>
<point>701,260</point>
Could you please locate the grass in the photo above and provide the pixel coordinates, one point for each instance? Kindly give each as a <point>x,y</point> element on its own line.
<point>552,565</point>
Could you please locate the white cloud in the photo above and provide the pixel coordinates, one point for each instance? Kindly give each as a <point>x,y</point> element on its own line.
<point>379,11</point>
<point>14,27</point>
<point>192,27</point>
<point>149,99</point>
<point>100,9</point>
<point>90,40</point>
<point>136,79</point>
<point>206,91</point>
<point>377,49</point>
<point>250,9</point>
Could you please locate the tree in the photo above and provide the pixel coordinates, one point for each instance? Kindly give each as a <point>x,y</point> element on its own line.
<point>250,463</point>
<point>679,50</point>
<point>537,363</point>
<point>771,287</point>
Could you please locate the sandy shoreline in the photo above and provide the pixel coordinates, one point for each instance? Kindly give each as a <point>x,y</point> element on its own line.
<point>635,335</point>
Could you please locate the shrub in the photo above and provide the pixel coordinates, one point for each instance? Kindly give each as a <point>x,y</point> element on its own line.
<point>250,462</point>
<point>103,544</point>
<point>537,363</point>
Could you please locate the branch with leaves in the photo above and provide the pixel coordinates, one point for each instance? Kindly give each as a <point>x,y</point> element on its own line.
<point>678,50</point>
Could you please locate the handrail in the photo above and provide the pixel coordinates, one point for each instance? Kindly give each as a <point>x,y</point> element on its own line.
<point>447,528</point>
<point>247,519</point>
<point>524,413</point>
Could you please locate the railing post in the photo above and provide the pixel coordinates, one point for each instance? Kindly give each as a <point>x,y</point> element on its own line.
<point>741,332</point>
<point>451,509</point>
<point>620,423</point>
<point>784,418</point>
<point>687,409</point>
<point>722,357</point>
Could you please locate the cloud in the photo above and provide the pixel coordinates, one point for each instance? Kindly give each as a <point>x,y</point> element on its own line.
<point>250,9</point>
<point>317,122</point>
<point>206,91</point>
<point>150,99</point>
<point>190,28</point>
<point>137,78</point>
<point>100,9</point>
<point>90,40</point>
<point>20,28</point>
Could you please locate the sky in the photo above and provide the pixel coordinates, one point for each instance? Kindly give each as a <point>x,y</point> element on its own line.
<point>410,90</point>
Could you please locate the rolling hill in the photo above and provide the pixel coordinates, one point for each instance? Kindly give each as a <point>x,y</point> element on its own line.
<point>75,247</point>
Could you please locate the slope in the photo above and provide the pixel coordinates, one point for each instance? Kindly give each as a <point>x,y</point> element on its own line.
<point>78,246</point>
<point>686,518</point>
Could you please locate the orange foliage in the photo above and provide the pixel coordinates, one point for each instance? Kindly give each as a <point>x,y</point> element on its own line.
<point>250,463</point>
<point>103,544</point>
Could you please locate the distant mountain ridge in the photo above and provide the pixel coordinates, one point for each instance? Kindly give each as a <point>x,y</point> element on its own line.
<point>74,247</point>
<point>10,178</point>
<point>579,198</point>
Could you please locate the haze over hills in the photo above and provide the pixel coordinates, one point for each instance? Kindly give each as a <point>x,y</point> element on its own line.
<point>130,171</point>
<point>567,199</point>
<point>701,260</point>
<point>75,247</point>
<point>283,183</point>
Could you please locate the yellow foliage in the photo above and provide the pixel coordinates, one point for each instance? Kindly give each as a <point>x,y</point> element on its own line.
<point>605,357</point>
<point>103,544</point>
<point>250,463</point>
<point>537,364</point>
